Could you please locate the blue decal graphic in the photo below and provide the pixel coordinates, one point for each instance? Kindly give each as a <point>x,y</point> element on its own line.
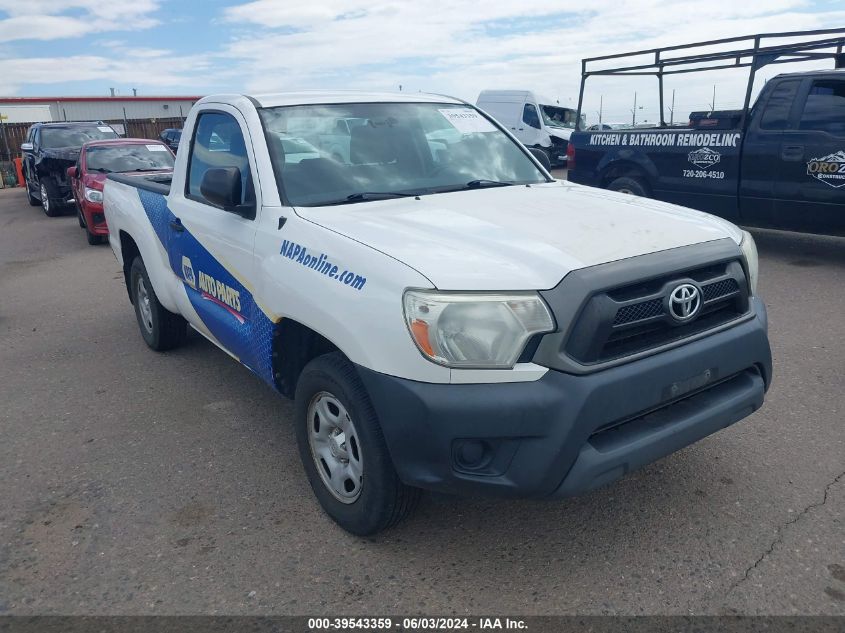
<point>224,305</point>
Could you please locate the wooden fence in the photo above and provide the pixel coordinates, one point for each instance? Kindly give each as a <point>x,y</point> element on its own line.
<point>135,128</point>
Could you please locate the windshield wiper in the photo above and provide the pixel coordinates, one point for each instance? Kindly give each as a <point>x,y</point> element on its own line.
<point>481,183</point>
<point>103,170</point>
<point>378,195</point>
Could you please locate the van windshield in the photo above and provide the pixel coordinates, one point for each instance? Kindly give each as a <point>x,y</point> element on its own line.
<point>392,150</point>
<point>555,116</point>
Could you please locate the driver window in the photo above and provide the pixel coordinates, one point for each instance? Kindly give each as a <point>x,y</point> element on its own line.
<point>218,142</point>
<point>530,116</point>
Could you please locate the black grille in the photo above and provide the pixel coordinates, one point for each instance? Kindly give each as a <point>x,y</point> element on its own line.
<point>719,289</point>
<point>630,319</point>
<point>639,311</point>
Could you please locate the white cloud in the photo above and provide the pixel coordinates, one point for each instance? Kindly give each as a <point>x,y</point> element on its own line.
<point>443,46</point>
<point>50,20</point>
<point>139,68</point>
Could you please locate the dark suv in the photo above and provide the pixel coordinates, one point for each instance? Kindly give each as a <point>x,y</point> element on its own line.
<point>171,138</point>
<point>49,149</point>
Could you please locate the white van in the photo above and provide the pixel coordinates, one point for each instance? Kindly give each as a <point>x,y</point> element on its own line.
<point>535,120</point>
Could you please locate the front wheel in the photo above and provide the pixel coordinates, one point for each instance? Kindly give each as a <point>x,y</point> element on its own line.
<point>161,329</point>
<point>49,199</point>
<point>342,448</point>
<point>94,240</point>
<point>630,185</point>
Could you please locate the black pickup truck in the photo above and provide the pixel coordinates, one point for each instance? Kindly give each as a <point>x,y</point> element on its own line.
<point>779,164</point>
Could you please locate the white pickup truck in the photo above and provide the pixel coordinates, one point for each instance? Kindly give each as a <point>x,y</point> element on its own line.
<point>454,320</point>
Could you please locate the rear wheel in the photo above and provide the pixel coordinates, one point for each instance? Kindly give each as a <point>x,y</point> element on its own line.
<point>630,185</point>
<point>50,199</point>
<point>343,449</point>
<point>161,329</point>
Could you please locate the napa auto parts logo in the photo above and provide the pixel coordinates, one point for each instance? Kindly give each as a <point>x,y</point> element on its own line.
<point>829,169</point>
<point>704,157</point>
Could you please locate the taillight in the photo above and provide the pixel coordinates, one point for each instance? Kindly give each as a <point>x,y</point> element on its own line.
<point>570,156</point>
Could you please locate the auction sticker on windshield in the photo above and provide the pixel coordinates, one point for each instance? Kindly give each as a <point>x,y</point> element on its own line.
<point>467,120</point>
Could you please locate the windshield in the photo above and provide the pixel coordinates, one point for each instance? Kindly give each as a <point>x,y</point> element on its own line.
<point>137,157</point>
<point>555,116</point>
<point>393,149</point>
<point>76,136</point>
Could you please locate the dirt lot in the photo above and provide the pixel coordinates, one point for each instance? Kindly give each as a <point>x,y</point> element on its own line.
<point>133,482</point>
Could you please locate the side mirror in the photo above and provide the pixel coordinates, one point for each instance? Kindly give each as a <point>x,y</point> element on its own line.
<point>26,147</point>
<point>542,157</point>
<point>71,172</point>
<point>222,187</point>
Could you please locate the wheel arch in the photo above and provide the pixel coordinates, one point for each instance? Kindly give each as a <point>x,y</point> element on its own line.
<point>294,346</point>
<point>624,169</point>
<point>129,251</point>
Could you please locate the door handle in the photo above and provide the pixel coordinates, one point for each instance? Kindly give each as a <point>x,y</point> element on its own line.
<point>792,152</point>
<point>177,225</point>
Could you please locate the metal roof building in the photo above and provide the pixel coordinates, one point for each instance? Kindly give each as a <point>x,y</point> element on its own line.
<point>42,109</point>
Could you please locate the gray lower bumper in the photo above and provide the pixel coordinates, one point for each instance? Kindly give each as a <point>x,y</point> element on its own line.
<point>566,434</point>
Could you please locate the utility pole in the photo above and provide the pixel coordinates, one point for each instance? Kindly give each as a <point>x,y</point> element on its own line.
<point>601,106</point>
<point>713,103</point>
<point>672,109</point>
<point>634,112</point>
<point>5,140</point>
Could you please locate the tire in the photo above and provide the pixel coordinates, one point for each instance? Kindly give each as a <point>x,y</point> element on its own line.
<point>330,397</point>
<point>49,198</point>
<point>94,240</point>
<point>79,217</point>
<point>33,201</point>
<point>630,185</point>
<point>161,329</point>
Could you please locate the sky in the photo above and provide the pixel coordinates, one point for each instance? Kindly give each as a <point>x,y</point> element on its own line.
<point>456,47</point>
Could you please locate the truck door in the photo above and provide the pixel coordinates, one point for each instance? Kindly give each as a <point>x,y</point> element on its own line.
<point>810,187</point>
<point>211,249</point>
<point>761,151</point>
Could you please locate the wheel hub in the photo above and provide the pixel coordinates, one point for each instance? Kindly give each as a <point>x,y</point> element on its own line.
<point>335,448</point>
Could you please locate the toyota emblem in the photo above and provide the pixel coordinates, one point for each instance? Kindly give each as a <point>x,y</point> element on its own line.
<point>684,302</point>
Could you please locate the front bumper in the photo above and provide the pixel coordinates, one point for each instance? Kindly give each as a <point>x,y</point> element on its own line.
<point>565,434</point>
<point>95,219</point>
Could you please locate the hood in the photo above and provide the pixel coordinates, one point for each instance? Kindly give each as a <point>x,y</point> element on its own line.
<point>62,153</point>
<point>518,238</point>
<point>559,132</point>
<point>94,180</point>
<point>97,179</point>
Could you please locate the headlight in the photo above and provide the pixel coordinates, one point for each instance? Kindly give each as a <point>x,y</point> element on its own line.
<point>92,195</point>
<point>749,251</point>
<point>474,330</point>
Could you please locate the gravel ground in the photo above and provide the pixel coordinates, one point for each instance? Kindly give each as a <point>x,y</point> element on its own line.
<point>136,483</point>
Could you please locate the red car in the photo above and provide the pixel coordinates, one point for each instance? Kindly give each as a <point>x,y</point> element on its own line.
<point>96,161</point>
